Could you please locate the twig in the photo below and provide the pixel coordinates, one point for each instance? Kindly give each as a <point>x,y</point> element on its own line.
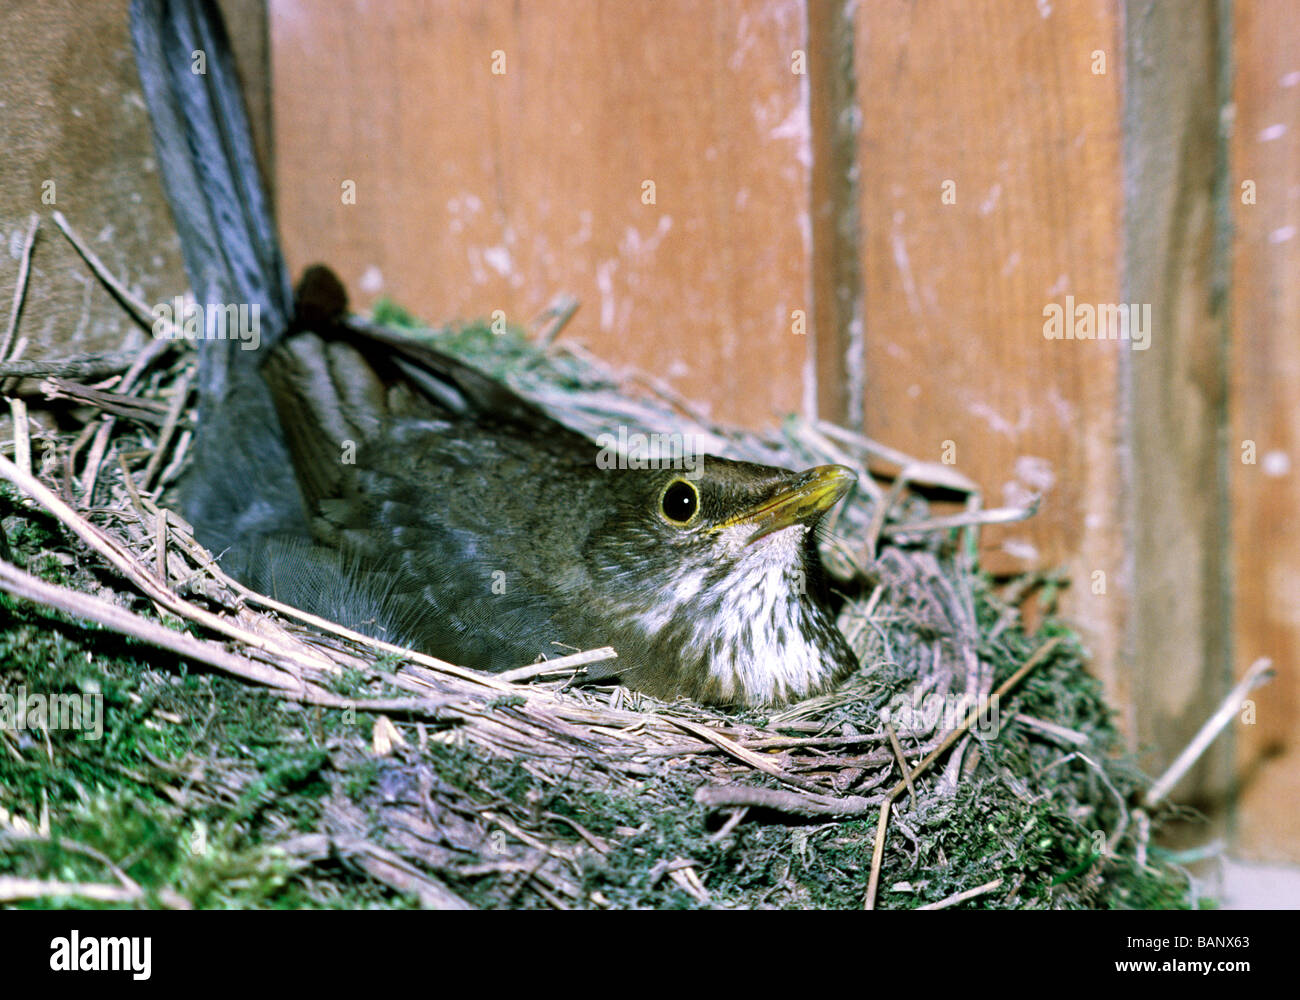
<point>209,566</point>
<point>139,311</point>
<point>819,444</point>
<point>70,456</point>
<point>20,288</point>
<point>1112,842</point>
<point>130,486</point>
<point>872,448</point>
<point>754,760</point>
<point>876,525</point>
<point>8,385</point>
<point>961,897</point>
<point>732,821</point>
<point>15,581</point>
<point>164,337</point>
<point>146,411</point>
<point>996,515</point>
<point>559,312</point>
<point>325,625</point>
<point>95,459</point>
<point>1059,734</point>
<point>877,856</point>
<point>561,664</point>
<point>1260,672</point>
<point>1143,837</point>
<point>902,760</point>
<point>14,889</point>
<point>688,880</point>
<point>93,365</point>
<point>178,458</point>
<point>151,352</point>
<point>77,848</point>
<point>22,436</point>
<point>23,585</point>
<point>119,558</point>
<point>179,396</point>
<point>160,543</point>
<point>782,800</point>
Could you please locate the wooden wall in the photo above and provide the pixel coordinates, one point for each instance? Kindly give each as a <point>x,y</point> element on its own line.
<point>74,137</point>
<point>1264,199</point>
<point>941,173</point>
<point>1175,259</point>
<point>478,191</point>
<point>1165,172</point>
<point>1025,140</point>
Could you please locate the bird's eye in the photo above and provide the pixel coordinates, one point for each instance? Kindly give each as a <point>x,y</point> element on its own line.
<point>680,502</point>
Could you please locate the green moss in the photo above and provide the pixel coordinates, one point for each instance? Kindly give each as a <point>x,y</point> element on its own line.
<point>196,778</point>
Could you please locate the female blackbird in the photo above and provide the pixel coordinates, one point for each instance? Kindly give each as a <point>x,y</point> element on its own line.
<point>371,479</point>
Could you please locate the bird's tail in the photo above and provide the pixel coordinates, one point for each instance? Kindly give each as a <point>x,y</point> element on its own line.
<point>239,484</point>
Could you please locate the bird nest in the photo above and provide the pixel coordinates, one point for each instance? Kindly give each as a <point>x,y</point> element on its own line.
<point>278,759</point>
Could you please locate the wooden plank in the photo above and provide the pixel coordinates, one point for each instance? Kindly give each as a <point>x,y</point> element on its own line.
<point>1176,261</point>
<point>999,99</point>
<point>85,130</point>
<point>1265,389</point>
<point>836,237</point>
<point>76,138</point>
<point>477,192</point>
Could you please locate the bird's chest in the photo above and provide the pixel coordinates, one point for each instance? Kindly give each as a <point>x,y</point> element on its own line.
<point>753,633</point>
<point>764,642</point>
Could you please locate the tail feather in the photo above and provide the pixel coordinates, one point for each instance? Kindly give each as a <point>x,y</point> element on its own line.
<point>205,149</point>
<point>240,484</point>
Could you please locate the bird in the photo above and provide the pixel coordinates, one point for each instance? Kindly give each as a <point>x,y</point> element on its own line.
<point>369,478</point>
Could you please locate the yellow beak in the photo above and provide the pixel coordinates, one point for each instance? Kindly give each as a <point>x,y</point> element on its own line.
<point>809,495</point>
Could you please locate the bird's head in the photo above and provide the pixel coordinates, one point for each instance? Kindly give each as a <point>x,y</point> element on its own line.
<point>716,581</point>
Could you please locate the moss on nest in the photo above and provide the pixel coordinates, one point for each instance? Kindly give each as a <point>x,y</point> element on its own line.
<point>205,790</point>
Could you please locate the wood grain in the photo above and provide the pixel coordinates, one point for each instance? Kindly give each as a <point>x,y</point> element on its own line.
<point>1265,389</point>
<point>478,192</point>
<point>837,279</point>
<point>72,117</point>
<point>999,99</point>
<point>1176,257</point>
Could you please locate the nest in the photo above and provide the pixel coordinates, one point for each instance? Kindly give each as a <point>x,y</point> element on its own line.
<point>966,763</point>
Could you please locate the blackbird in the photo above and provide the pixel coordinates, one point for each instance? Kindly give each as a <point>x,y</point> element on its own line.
<point>373,480</point>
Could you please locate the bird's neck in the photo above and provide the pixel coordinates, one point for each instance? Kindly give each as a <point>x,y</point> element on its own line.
<point>753,635</point>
